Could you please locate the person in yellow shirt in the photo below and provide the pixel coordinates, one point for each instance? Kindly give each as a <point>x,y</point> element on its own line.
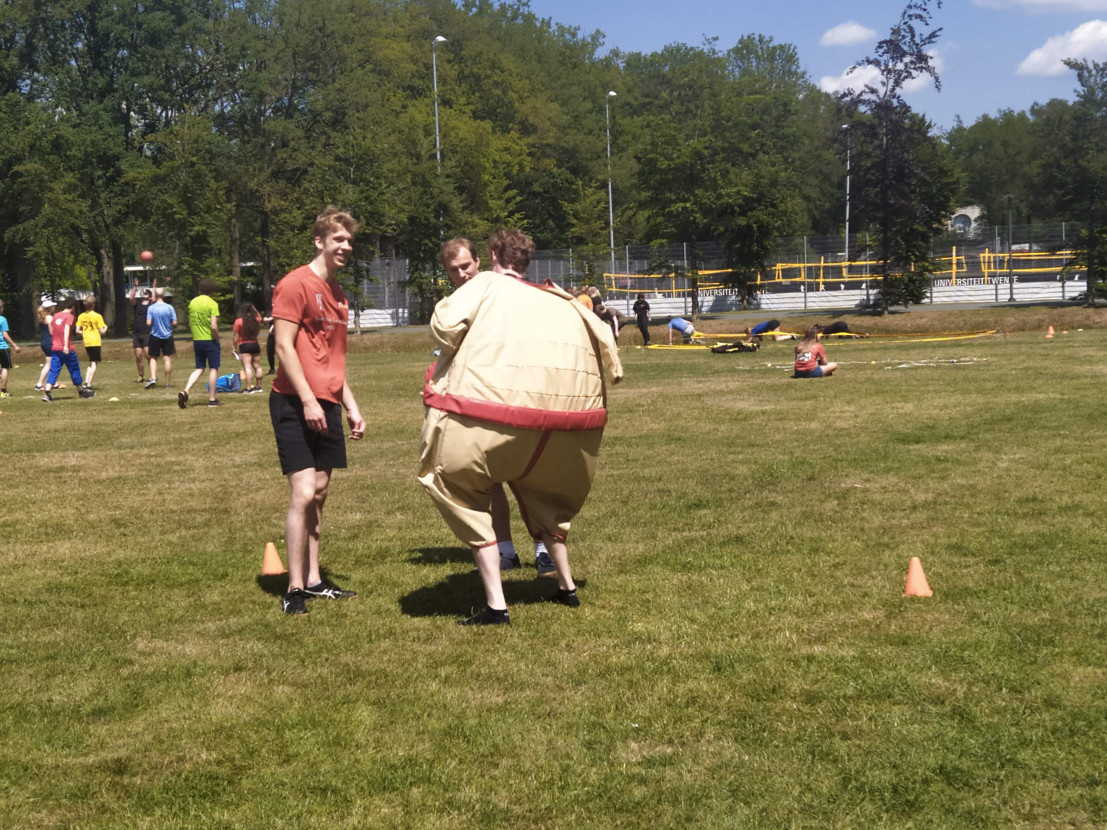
<point>92,327</point>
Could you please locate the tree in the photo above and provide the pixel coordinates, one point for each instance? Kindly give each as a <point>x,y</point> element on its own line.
<point>903,176</point>
<point>1075,170</point>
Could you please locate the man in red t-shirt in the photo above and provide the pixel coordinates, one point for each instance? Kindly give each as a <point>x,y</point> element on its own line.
<point>61,352</point>
<point>311,315</point>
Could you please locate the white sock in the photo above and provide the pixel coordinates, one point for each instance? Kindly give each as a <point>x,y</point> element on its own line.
<point>539,549</point>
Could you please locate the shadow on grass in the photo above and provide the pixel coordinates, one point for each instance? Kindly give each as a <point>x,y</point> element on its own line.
<point>440,556</point>
<point>460,594</point>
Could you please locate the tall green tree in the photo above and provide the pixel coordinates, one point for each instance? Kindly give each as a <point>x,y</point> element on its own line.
<point>904,178</point>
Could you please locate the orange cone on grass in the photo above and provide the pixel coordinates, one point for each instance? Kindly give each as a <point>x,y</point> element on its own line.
<point>272,563</point>
<point>917,585</point>
<point>1049,333</point>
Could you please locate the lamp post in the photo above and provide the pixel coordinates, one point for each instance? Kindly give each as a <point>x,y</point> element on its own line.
<point>848,150</point>
<point>1010,254</point>
<point>434,71</point>
<point>610,201</point>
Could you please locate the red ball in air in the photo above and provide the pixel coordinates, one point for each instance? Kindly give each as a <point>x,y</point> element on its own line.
<point>146,256</point>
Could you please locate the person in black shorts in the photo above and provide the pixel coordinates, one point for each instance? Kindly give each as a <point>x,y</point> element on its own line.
<point>161,317</point>
<point>311,316</point>
<point>140,332</point>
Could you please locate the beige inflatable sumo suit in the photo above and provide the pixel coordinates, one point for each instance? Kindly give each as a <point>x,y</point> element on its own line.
<point>518,396</point>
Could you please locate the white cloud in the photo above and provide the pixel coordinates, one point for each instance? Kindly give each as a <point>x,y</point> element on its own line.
<point>864,75</point>
<point>1046,5</point>
<point>847,34</point>
<point>1086,42</point>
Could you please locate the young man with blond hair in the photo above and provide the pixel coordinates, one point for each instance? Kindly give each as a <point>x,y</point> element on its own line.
<point>311,316</point>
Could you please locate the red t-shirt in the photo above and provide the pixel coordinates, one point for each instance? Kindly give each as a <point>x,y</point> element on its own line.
<point>322,312</point>
<point>58,324</point>
<point>806,361</point>
<point>238,330</point>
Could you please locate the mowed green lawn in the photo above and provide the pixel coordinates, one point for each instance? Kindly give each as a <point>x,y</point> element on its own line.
<point>743,655</point>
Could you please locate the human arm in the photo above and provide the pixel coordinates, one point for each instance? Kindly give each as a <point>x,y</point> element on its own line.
<point>65,338</point>
<point>285,333</point>
<point>11,342</point>
<point>454,314</point>
<point>215,327</point>
<point>353,414</point>
<point>670,335</point>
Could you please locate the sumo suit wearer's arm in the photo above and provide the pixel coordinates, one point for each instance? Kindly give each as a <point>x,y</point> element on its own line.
<point>454,314</point>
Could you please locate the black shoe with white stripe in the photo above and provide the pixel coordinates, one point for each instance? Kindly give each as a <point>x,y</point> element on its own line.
<point>294,602</point>
<point>328,590</point>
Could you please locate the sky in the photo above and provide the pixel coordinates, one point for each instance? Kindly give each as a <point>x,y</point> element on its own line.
<point>992,55</point>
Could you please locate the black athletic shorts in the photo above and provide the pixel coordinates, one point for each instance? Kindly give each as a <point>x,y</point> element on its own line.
<point>250,347</point>
<point>93,353</point>
<point>300,448</point>
<point>162,347</point>
<point>140,341</point>
<point>5,358</point>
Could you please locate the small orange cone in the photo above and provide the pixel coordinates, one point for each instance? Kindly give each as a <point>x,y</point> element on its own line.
<point>272,563</point>
<point>1049,333</point>
<point>916,580</point>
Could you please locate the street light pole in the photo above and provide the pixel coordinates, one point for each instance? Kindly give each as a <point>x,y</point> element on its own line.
<point>848,151</point>
<point>610,200</point>
<point>434,71</point>
<point>1010,254</point>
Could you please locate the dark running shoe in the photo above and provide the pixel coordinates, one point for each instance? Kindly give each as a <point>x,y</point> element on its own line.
<point>294,602</point>
<point>216,402</point>
<point>328,590</point>
<point>544,563</point>
<point>86,392</point>
<point>564,597</point>
<point>48,398</point>
<point>487,617</point>
<point>182,399</point>
<point>508,563</point>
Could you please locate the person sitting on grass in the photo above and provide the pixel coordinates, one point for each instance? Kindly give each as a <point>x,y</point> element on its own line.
<point>811,357</point>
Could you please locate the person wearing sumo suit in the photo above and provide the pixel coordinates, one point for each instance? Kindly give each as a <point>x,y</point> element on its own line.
<point>518,396</point>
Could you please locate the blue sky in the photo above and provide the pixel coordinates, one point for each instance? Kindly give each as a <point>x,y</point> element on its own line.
<point>992,54</point>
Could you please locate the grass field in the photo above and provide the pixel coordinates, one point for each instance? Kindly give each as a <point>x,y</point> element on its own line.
<point>743,655</point>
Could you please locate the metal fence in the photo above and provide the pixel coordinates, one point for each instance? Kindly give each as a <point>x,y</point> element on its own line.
<point>1020,263</point>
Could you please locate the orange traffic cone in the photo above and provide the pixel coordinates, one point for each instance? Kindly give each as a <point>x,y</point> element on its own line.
<point>271,563</point>
<point>1049,333</point>
<point>916,580</point>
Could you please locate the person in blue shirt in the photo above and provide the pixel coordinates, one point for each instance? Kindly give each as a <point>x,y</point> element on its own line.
<point>160,319</point>
<point>6,346</point>
<point>687,330</point>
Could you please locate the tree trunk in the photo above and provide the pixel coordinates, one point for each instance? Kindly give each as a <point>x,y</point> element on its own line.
<point>114,264</point>
<point>266,256</point>
<point>236,266</point>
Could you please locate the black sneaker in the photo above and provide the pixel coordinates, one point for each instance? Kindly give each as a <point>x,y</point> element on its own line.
<point>150,384</point>
<point>294,602</point>
<point>216,402</point>
<point>544,563</point>
<point>48,398</point>
<point>487,617</point>
<point>182,399</point>
<point>566,597</point>
<point>328,590</point>
<point>86,392</point>
<point>508,563</point>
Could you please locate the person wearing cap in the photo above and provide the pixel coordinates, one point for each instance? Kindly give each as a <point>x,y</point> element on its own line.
<point>44,313</point>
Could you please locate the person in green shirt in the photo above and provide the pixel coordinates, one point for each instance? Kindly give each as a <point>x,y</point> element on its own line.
<point>203,319</point>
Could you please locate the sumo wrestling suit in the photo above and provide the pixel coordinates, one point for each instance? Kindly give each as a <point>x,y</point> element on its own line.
<point>518,396</point>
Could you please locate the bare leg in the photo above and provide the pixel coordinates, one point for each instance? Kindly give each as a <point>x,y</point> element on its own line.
<point>153,368</point>
<point>168,369</point>
<point>488,563</point>
<point>307,495</point>
<point>195,376</point>
<point>88,378</point>
<point>140,355</point>
<point>560,555</point>
<point>212,378</point>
